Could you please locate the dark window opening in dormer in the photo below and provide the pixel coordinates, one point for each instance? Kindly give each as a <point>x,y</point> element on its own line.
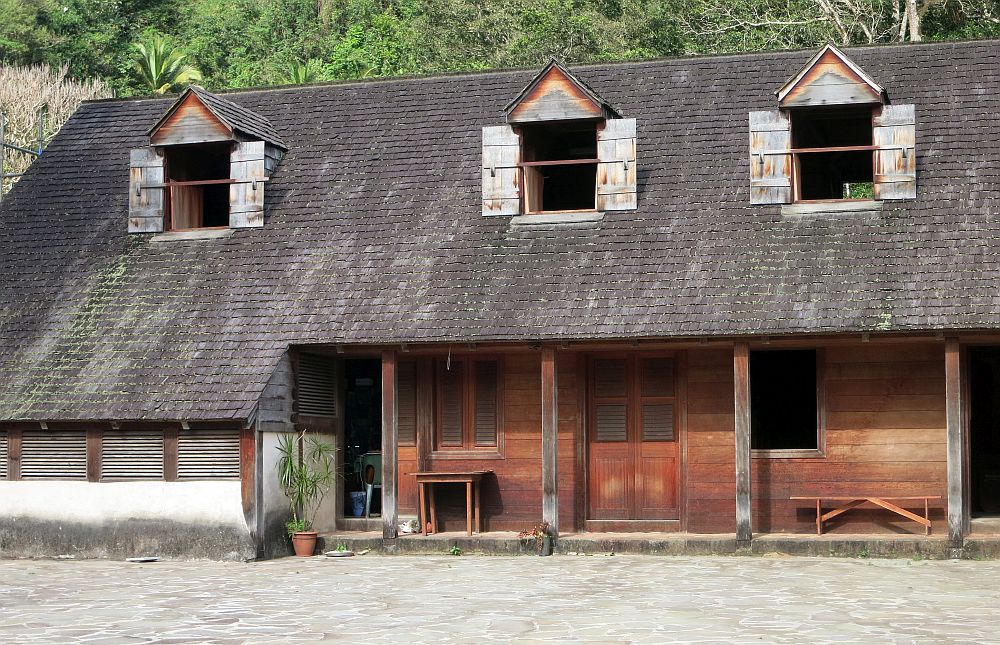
<point>833,153</point>
<point>198,178</point>
<point>560,166</point>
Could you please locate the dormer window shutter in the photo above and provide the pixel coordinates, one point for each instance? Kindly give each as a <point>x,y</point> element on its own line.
<point>501,171</point>
<point>770,159</point>
<point>894,135</point>
<point>146,205</point>
<point>246,196</point>
<point>616,172</point>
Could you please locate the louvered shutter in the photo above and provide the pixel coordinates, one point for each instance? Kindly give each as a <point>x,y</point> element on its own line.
<point>451,404</point>
<point>316,386</point>
<point>501,172</point>
<point>4,455</point>
<point>770,161</point>
<point>246,197</point>
<point>54,455</point>
<point>894,135</point>
<point>657,422</point>
<point>146,206</point>
<point>616,172</point>
<point>656,377</point>
<point>132,455</point>
<point>486,403</point>
<point>610,415</point>
<point>208,454</point>
<point>406,406</point>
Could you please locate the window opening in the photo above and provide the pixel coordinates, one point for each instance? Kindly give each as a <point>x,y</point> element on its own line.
<point>560,166</point>
<point>199,181</point>
<point>833,153</point>
<point>783,400</point>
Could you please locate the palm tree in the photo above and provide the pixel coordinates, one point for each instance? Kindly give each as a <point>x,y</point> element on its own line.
<point>299,73</point>
<point>161,66</point>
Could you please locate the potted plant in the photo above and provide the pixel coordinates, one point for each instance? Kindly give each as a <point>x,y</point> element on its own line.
<point>541,535</point>
<point>306,472</point>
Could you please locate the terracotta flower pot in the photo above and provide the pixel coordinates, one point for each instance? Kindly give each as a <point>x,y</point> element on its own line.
<point>304,543</point>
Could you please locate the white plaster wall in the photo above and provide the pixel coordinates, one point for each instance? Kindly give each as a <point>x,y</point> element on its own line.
<point>274,501</point>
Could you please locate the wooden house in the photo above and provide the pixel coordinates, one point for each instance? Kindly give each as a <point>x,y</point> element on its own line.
<point>666,296</point>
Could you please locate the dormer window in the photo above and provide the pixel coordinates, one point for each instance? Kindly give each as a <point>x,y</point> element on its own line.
<point>563,150</point>
<point>833,138</point>
<point>206,167</point>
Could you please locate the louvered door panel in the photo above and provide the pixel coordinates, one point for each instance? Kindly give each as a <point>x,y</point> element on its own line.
<point>132,455</point>
<point>316,386</point>
<point>657,376</point>
<point>4,455</point>
<point>658,422</point>
<point>450,404</point>
<point>208,454</point>
<point>54,455</point>
<point>406,401</point>
<point>610,377</point>
<point>610,422</point>
<point>486,403</point>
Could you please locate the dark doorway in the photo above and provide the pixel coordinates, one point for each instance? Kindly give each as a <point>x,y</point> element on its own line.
<point>363,435</point>
<point>984,430</point>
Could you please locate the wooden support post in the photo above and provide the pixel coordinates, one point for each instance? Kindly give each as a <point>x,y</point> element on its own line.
<point>550,441</point>
<point>744,513</point>
<point>958,510</point>
<point>390,438</point>
<point>94,455</point>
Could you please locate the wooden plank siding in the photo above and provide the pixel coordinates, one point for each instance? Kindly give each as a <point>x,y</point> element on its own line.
<point>190,122</point>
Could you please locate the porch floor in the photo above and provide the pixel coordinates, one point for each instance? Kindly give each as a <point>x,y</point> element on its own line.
<point>934,547</point>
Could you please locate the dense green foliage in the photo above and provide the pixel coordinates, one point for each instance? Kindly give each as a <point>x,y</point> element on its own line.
<point>258,42</point>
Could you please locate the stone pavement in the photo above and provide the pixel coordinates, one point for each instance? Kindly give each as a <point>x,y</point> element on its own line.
<point>526,599</point>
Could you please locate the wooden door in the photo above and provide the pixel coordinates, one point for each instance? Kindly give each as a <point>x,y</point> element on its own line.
<point>632,439</point>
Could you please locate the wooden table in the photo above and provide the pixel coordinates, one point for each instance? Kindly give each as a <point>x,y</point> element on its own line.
<point>472,480</point>
<point>857,500</point>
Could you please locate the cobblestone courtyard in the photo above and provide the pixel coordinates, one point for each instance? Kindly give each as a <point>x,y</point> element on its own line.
<point>446,599</point>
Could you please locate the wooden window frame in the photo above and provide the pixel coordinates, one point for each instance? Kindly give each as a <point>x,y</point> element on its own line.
<point>525,166</point>
<point>796,153</point>
<point>819,452</point>
<point>468,449</point>
<point>168,206</point>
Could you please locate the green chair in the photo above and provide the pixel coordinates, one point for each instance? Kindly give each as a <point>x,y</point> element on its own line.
<point>371,478</point>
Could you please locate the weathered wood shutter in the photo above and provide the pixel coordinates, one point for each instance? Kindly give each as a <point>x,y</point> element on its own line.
<point>451,403</point>
<point>486,403</point>
<point>610,385</point>
<point>770,161</point>
<point>406,402</point>
<point>894,133</point>
<point>136,454</point>
<point>501,171</point>
<point>656,377</point>
<point>316,386</point>
<point>208,454</point>
<point>146,206</point>
<point>54,455</point>
<point>4,455</point>
<point>616,171</point>
<point>246,197</point>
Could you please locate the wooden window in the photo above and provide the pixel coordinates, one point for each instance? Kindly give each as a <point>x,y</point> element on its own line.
<point>4,455</point>
<point>198,196</point>
<point>208,454</point>
<point>833,153</point>
<point>786,403</point>
<point>406,402</point>
<point>468,404</point>
<point>560,166</point>
<point>316,385</point>
<point>49,454</point>
<point>131,455</point>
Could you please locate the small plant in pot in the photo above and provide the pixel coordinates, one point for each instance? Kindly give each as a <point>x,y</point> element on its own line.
<point>307,469</point>
<point>540,535</point>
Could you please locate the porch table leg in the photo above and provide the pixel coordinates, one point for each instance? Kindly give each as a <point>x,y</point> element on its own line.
<point>927,516</point>
<point>433,509</point>
<point>819,518</point>
<point>478,486</point>
<point>420,513</point>
<point>468,507</point>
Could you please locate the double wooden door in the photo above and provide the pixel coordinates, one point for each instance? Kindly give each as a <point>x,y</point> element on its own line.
<point>633,457</point>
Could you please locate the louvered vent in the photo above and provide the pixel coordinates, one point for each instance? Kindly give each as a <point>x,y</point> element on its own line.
<point>316,386</point>
<point>4,455</point>
<point>610,419</point>
<point>657,377</point>
<point>132,455</point>
<point>54,455</point>
<point>486,403</point>
<point>208,454</point>
<point>451,404</point>
<point>658,422</point>
<point>609,377</point>
<point>406,385</point>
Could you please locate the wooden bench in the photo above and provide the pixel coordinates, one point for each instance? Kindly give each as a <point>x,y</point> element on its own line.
<point>857,500</point>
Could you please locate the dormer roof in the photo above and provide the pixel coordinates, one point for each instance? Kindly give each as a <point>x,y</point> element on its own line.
<point>556,94</point>
<point>238,121</point>
<point>830,78</point>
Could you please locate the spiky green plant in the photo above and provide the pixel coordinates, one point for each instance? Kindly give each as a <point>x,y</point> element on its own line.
<point>161,66</point>
<point>300,73</point>
<point>306,472</point>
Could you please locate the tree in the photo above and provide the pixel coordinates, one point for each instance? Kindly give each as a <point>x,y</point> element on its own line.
<point>161,66</point>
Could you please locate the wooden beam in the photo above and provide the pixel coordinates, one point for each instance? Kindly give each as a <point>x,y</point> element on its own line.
<point>425,412</point>
<point>94,454</point>
<point>741,375</point>
<point>958,515</point>
<point>390,439</point>
<point>170,454</point>
<point>14,436</point>
<point>550,441</point>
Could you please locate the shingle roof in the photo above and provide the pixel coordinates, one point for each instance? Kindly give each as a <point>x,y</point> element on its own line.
<point>236,117</point>
<point>373,234</point>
